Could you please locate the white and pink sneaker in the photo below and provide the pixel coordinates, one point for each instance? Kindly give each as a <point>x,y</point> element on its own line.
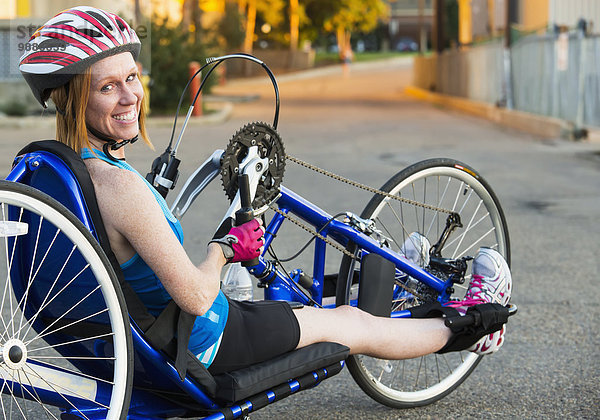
<point>491,282</point>
<point>416,249</point>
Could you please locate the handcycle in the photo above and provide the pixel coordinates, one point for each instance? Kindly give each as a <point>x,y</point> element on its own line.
<point>73,335</point>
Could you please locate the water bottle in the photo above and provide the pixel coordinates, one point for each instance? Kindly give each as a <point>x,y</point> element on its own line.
<point>237,283</point>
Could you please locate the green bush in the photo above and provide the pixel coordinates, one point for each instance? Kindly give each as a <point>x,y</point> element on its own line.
<point>231,28</point>
<point>14,108</point>
<point>172,49</point>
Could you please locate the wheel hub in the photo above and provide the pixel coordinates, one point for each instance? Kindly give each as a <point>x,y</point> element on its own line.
<point>14,354</point>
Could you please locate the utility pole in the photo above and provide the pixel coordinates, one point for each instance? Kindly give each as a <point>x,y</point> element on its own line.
<point>439,40</point>
<point>465,23</point>
<point>511,17</point>
<point>422,32</point>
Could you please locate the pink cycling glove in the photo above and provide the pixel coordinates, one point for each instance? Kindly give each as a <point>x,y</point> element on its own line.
<point>246,241</point>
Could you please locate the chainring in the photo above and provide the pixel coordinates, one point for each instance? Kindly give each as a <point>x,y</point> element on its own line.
<point>269,146</point>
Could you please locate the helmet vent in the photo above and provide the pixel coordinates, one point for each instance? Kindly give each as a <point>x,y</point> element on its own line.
<point>53,43</point>
<point>91,32</point>
<point>122,26</point>
<point>62,22</point>
<point>101,19</point>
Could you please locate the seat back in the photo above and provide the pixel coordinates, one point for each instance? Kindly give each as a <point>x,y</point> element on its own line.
<point>55,169</point>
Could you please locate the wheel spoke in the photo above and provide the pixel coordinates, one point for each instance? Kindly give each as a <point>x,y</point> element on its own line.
<point>80,340</point>
<point>384,227</point>
<point>34,277</point>
<point>404,231</point>
<point>37,398</point>
<point>64,288</point>
<point>481,238</point>
<point>462,237</point>
<point>2,399</point>
<point>71,391</point>
<point>46,363</point>
<point>45,331</point>
<point>418,372</point>
<point>39,358</point>
<point>9,280</point>
<point>437,213</point>
<point>45,301</point>
<point>65,326</point>
<point>13,398</point>
<point>30,280</point>
<point>457,196</point>
<point>54,388</point>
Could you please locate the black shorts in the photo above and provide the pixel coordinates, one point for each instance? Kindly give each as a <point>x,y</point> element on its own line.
<point>255,332</point>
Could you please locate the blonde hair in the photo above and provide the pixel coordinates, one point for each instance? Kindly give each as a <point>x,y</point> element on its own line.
<point>71,102</point>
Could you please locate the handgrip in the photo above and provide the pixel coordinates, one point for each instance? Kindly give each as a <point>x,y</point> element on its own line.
<point>473,319</point>
<point>470,320</point>
<point>245,213</point>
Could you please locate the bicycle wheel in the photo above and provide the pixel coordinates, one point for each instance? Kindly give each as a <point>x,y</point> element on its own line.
<point>65,339</point>
<point>442,183</point>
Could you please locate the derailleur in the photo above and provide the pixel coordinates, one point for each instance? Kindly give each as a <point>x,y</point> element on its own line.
<point>367,226</point>
<point>455,268</point>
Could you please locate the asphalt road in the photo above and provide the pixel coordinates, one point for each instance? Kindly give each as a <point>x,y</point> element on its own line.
<point>360,125</point>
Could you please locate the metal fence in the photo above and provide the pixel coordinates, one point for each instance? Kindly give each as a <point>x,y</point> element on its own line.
<point>476,73</point>
<point>9,55</point>
<point>558,76</point>
<point>554,75</point>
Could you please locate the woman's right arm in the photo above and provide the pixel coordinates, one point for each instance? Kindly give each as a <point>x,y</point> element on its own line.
<point>130,210</point>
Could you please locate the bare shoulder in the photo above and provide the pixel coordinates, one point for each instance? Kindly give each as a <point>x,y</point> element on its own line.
<point>118,189</point>
<point>108,178</point>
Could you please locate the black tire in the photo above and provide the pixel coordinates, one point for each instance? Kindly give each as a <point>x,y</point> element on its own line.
<point>442,183</point>
<point>62,313</point>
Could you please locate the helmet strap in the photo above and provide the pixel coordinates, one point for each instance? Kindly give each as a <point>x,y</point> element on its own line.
<point>111,143</point>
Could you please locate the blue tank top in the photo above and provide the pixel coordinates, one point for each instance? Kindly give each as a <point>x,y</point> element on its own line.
<point>208,328</point>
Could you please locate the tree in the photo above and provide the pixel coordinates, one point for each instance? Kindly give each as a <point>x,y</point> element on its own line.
<point>270,11</point>
<point>343,17</point>
<point>231,27</point>
<point>294,24</point>
<point>354,16</point>
<point>191,18</point>
<point>250,24</point>
<point>172,50</point>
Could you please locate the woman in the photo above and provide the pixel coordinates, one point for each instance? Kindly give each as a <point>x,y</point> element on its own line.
<point>84,60</point>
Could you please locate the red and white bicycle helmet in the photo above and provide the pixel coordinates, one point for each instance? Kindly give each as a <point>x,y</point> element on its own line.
<point>69,43</point>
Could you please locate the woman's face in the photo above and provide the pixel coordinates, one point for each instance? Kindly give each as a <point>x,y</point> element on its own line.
<point>115,97</point>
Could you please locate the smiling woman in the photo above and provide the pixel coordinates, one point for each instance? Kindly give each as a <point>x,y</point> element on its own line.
<point>115,97</point>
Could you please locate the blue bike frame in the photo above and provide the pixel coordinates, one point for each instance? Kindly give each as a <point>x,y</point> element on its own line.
<point>281,287</point>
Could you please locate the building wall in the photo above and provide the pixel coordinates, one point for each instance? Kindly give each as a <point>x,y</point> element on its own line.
<point>568,12</point>
<point>404,20</point>
<point>534,14</point>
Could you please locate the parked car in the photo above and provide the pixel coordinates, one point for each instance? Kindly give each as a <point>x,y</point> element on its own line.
<point>407,44</point>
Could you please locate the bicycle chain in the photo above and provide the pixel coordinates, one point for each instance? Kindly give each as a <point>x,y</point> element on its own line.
<point>314,233</point>
<point>366,187</point>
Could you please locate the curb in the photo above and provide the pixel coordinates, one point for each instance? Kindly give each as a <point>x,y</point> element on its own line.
<point>535,124</point>
<point>329,70</point>
<point>222,112</point>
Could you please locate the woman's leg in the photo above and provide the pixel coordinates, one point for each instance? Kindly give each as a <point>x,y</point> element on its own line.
<point>363,333</point>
